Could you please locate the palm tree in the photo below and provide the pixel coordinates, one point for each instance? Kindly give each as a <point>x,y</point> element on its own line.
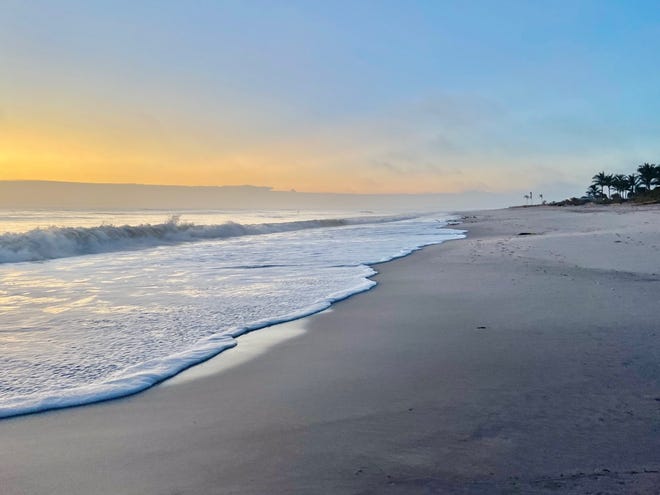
<point>620,183</point>
<point>593,192</point>
<point>647,174</point>
<point>633,183</point>
<point>600,180</point>
<point>609,182</point>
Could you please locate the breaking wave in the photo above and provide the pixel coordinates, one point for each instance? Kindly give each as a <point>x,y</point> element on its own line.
<point>61,242</point>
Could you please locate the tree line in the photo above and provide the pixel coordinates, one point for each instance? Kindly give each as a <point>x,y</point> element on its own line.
<point>625,186</point>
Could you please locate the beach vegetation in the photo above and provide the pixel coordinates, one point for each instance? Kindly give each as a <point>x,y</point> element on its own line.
<point>593,192</point>
<point>633,184</point>
<point>648,175</point>
<point>620,184</point>
<point>642,186</point>
<point>602,180</point>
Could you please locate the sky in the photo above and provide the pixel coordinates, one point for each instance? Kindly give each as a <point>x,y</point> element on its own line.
<point>318,96</point>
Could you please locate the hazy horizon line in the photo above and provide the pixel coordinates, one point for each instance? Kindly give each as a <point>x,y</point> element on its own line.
<point>248,186</point>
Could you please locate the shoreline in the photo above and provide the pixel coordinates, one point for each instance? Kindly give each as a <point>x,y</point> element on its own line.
<point>209,348</point>
<point>401,390</point>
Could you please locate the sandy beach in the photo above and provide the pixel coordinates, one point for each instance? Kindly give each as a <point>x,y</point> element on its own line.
<point>523,359</point>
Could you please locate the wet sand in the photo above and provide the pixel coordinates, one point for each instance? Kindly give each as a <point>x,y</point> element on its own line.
<point>502,363</point>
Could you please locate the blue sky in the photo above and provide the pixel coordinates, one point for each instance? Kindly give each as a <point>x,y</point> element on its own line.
<point>343,96</point>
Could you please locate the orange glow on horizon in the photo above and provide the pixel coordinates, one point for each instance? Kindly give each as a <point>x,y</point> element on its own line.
<point>57,155</point>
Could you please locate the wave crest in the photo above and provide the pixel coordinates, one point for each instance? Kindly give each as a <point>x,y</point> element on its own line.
<point>61,242</point>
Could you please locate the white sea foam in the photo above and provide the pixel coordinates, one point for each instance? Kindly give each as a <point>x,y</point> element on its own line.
<point>89,328</point>
<point>60,242</point>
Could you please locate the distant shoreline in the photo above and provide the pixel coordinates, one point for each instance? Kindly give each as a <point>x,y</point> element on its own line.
<point>73,195</point>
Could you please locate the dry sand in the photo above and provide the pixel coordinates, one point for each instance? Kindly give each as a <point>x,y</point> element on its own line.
<point>502,363</point>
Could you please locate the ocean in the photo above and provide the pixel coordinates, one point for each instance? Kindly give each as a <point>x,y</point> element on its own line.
<point>96,305</point>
